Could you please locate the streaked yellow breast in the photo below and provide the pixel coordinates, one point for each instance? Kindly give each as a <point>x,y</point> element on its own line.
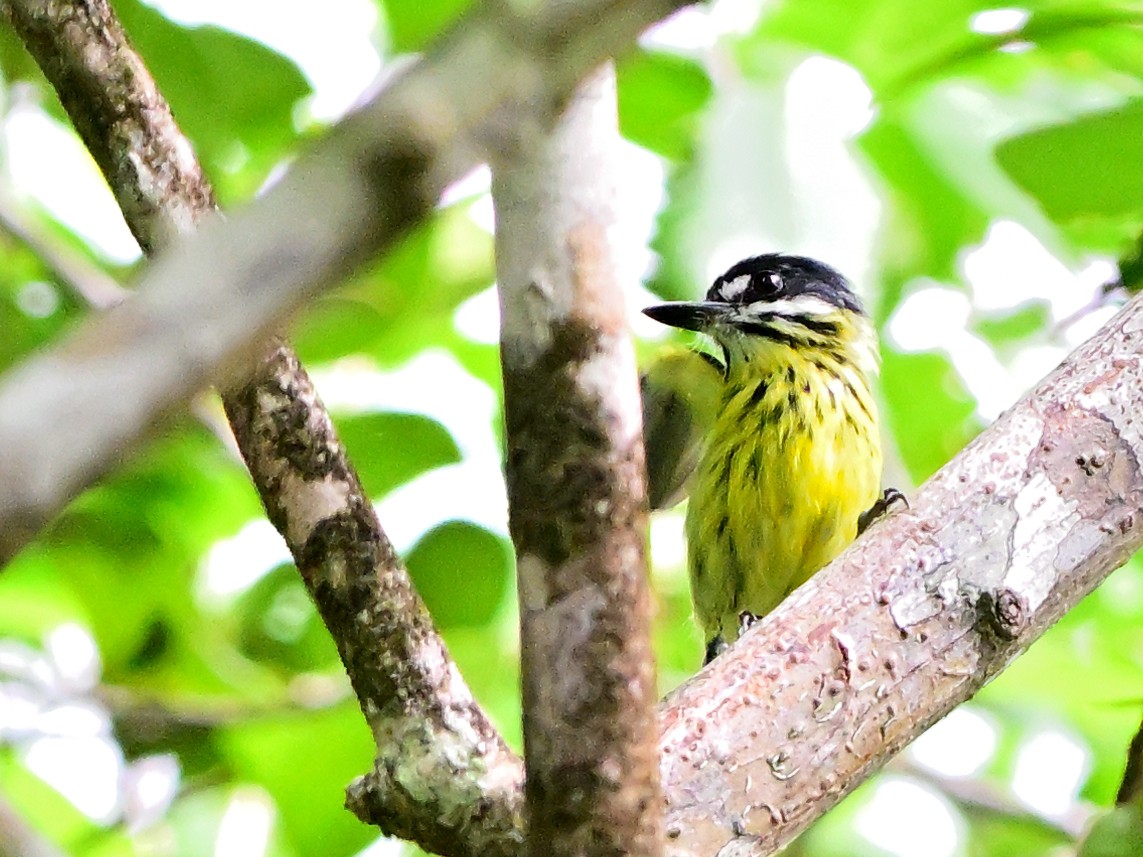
<point>793,458</point>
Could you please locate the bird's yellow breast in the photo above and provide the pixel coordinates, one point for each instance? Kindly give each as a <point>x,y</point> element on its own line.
<point>793,459</point>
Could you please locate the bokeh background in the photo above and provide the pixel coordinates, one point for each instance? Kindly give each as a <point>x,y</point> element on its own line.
<point>165,685</point>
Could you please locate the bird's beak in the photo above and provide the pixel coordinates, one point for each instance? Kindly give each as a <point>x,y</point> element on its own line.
<point>689,315</point>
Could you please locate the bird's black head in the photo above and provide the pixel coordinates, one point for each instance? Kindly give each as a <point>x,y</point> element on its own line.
<point>775,277</point>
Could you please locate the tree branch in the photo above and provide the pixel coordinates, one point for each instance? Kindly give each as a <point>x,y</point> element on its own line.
<point>576,492</point>
<point>79,276</point>
<point>895,633</point>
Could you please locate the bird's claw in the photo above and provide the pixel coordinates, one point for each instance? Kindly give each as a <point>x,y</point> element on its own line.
<point>880,506</point>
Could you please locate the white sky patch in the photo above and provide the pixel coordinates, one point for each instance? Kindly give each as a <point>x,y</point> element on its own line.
<point>1011,267</point>
<point>234,565</point>
<point>668,543</point>
<point>47,162</point>
<point>246,824</point>
<point>1050,769</point>
<point>909,820</point>
<point>476,181</point>
<point>827,103</point>
<point>643,327</point>
<point>997,22</point>
<point>478,318</point>
<point>688,29</point>
<point>935,318</point>
<point>960,745</point>
<point>148,786</point>
<point>75,656</point>
<point>83,770</point>
<point>640,179</point>
<point>335,50</point>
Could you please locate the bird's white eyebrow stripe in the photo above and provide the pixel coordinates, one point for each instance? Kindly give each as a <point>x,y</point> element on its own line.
<point>734,288</point>
<point>797,305</point>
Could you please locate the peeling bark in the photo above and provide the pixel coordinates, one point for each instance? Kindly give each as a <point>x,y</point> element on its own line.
<point>577,495</point>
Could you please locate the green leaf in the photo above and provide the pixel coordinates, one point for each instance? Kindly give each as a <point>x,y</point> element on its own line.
<point>280,625</point>
<point>888,41</point>
<point>1009,328</point>
<point>660,98</point>
<point>462,571</point>
<point>932,216</point>
<point>414,24</point>
<point>389,449</point>
<point>927,436</point>
<point>1091,167</point>
<point>335,326</point>
<point>1118,833</point>
<point>305,760</point>
<point>234,97</point>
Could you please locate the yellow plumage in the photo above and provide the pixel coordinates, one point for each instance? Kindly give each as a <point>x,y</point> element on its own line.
<point>790,459</point>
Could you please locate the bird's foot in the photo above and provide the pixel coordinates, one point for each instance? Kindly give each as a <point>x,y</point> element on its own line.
<point>746,621</point>
<point>715,646</point>
<point>880,506</point>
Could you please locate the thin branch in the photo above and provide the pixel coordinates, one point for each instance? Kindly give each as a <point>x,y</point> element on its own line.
<point>576,492</point>
<point>87,282</point>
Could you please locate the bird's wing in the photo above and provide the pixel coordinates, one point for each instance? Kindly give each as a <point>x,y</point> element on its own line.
<point>681,391</point>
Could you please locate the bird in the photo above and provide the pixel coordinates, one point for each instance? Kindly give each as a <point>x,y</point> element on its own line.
<point>772,433</point>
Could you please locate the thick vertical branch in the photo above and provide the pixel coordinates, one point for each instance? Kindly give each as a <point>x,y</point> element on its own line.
<point>576,492</point>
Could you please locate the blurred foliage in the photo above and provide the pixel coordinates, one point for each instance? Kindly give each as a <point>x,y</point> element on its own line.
<point>946,119</point>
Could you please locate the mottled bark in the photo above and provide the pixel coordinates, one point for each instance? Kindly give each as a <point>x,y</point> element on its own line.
<point>576,492</point>
<point>916,617</point>
<point>443,777</point>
